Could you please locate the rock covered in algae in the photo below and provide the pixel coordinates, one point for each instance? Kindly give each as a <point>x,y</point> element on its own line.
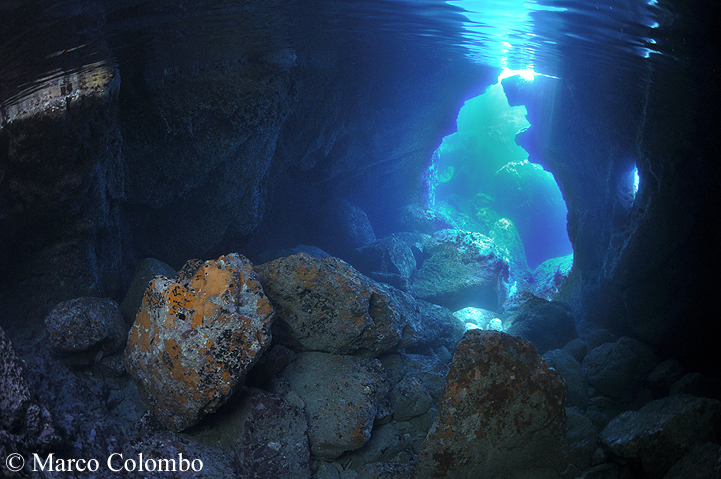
<point>196,336</point>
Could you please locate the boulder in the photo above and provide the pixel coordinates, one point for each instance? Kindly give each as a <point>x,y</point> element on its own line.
<point>82,330</point>
<point>26,425</point>
<point>343,227</point>
<point>570,370</point>
<point>618,369</point>
<point>273,441</point>
<point>502,412</point>
<point>341,395</point>
<point>324,304</point>
<point>661,432</point>
<point>410,398</point>
<point>462,269</point>
<point>145,270</point>
<point>393,259</point>
<point>701,461</point>
<point>505,235</point>
<point>420,219</point>
<point>547,324</point>
<point>196,336</point>
<point>582,438</point>
<point>550,275</point>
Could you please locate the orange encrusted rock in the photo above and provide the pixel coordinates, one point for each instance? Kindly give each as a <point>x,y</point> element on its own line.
<point>196,336</point>
<point>502,413</point>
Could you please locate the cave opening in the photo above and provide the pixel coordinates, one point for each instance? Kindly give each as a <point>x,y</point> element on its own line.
<point>483,179</point>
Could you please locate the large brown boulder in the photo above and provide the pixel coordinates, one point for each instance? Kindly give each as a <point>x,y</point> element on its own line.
<point>196,336</point>
<point>502,412</point>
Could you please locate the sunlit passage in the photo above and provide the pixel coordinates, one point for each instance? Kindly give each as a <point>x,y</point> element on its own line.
<point>483,177</point>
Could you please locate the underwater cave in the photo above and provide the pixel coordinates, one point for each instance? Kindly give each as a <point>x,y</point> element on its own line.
<point>359,239</point>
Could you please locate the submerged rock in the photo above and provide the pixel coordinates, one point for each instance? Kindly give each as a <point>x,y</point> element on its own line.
<point>393,260</point>
<point>195,337</point>
<point>502,412</point>
<point>273,440</point>
<point>663,430</point>
<point>421,219</point>
<point>83,329</point>
<point>550,275</point>
<point>462,269</point>
<point>145,270</point>
<point>324,304</point>
<point>341,395</point>
<point>26,425</point>
<point>547,324</point>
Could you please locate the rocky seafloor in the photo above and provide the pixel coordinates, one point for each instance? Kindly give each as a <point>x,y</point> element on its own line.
<point>305,367</point>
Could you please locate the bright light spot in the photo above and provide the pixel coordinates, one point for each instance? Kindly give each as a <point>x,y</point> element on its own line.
<point>527,74</point>
<point>636,181</point>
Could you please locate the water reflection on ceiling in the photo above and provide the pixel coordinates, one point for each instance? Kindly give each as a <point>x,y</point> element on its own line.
<point>44,43</point>
<point>538,34</point>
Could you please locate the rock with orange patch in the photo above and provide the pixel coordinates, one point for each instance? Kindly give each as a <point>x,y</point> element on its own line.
<point>502,413</point>
<point>196,336</point>
<point>324,304</point>
<point>341,395</point>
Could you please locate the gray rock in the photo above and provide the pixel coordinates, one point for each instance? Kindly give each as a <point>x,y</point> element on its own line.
<point>324,304</point>
<point>421,219</point>
<point>697,384</point>
<point>341,394</point>
<point>582,438</point>
<point>429,369</point>
<point>82,330</point>
<point>701,461</point>
<point>661,432</point>
<point>382,470</point>
<point>659,380</point>
<point>385,443</point>
<point>550,275</point>
<point>462,269</point>
<point>616,370</point>
<point>344,227</point>
<point>410,398</point>
<point>576,348</point>
<point>273,440</point>
<point>393,259</point>
<point>502,410</point>
<point>26,425</point>
<point>145,270</point>
<point>569,369</point>
<point>547,324</point>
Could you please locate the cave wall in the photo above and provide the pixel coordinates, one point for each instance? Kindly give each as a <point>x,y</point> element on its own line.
<point>644,266</point>
<point>192,149</point>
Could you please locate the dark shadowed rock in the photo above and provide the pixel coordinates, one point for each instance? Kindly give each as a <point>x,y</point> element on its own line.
<point>618,369</point>
<point>83,329</point>
<point>570,370</point>
<point>410,398</point>
<point>195,337</point>
<point>502,412</point>
<point>393,260</point>
<point>547,324</point>
<point>462,269</point>
<point>26,425</point>
<point>324,304</point>
<point>341,395</point>
<point>661,432</point>
<point>582,438</point>
<point>701,461</point>
<point>273,441</point>
<point>145,270</point>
